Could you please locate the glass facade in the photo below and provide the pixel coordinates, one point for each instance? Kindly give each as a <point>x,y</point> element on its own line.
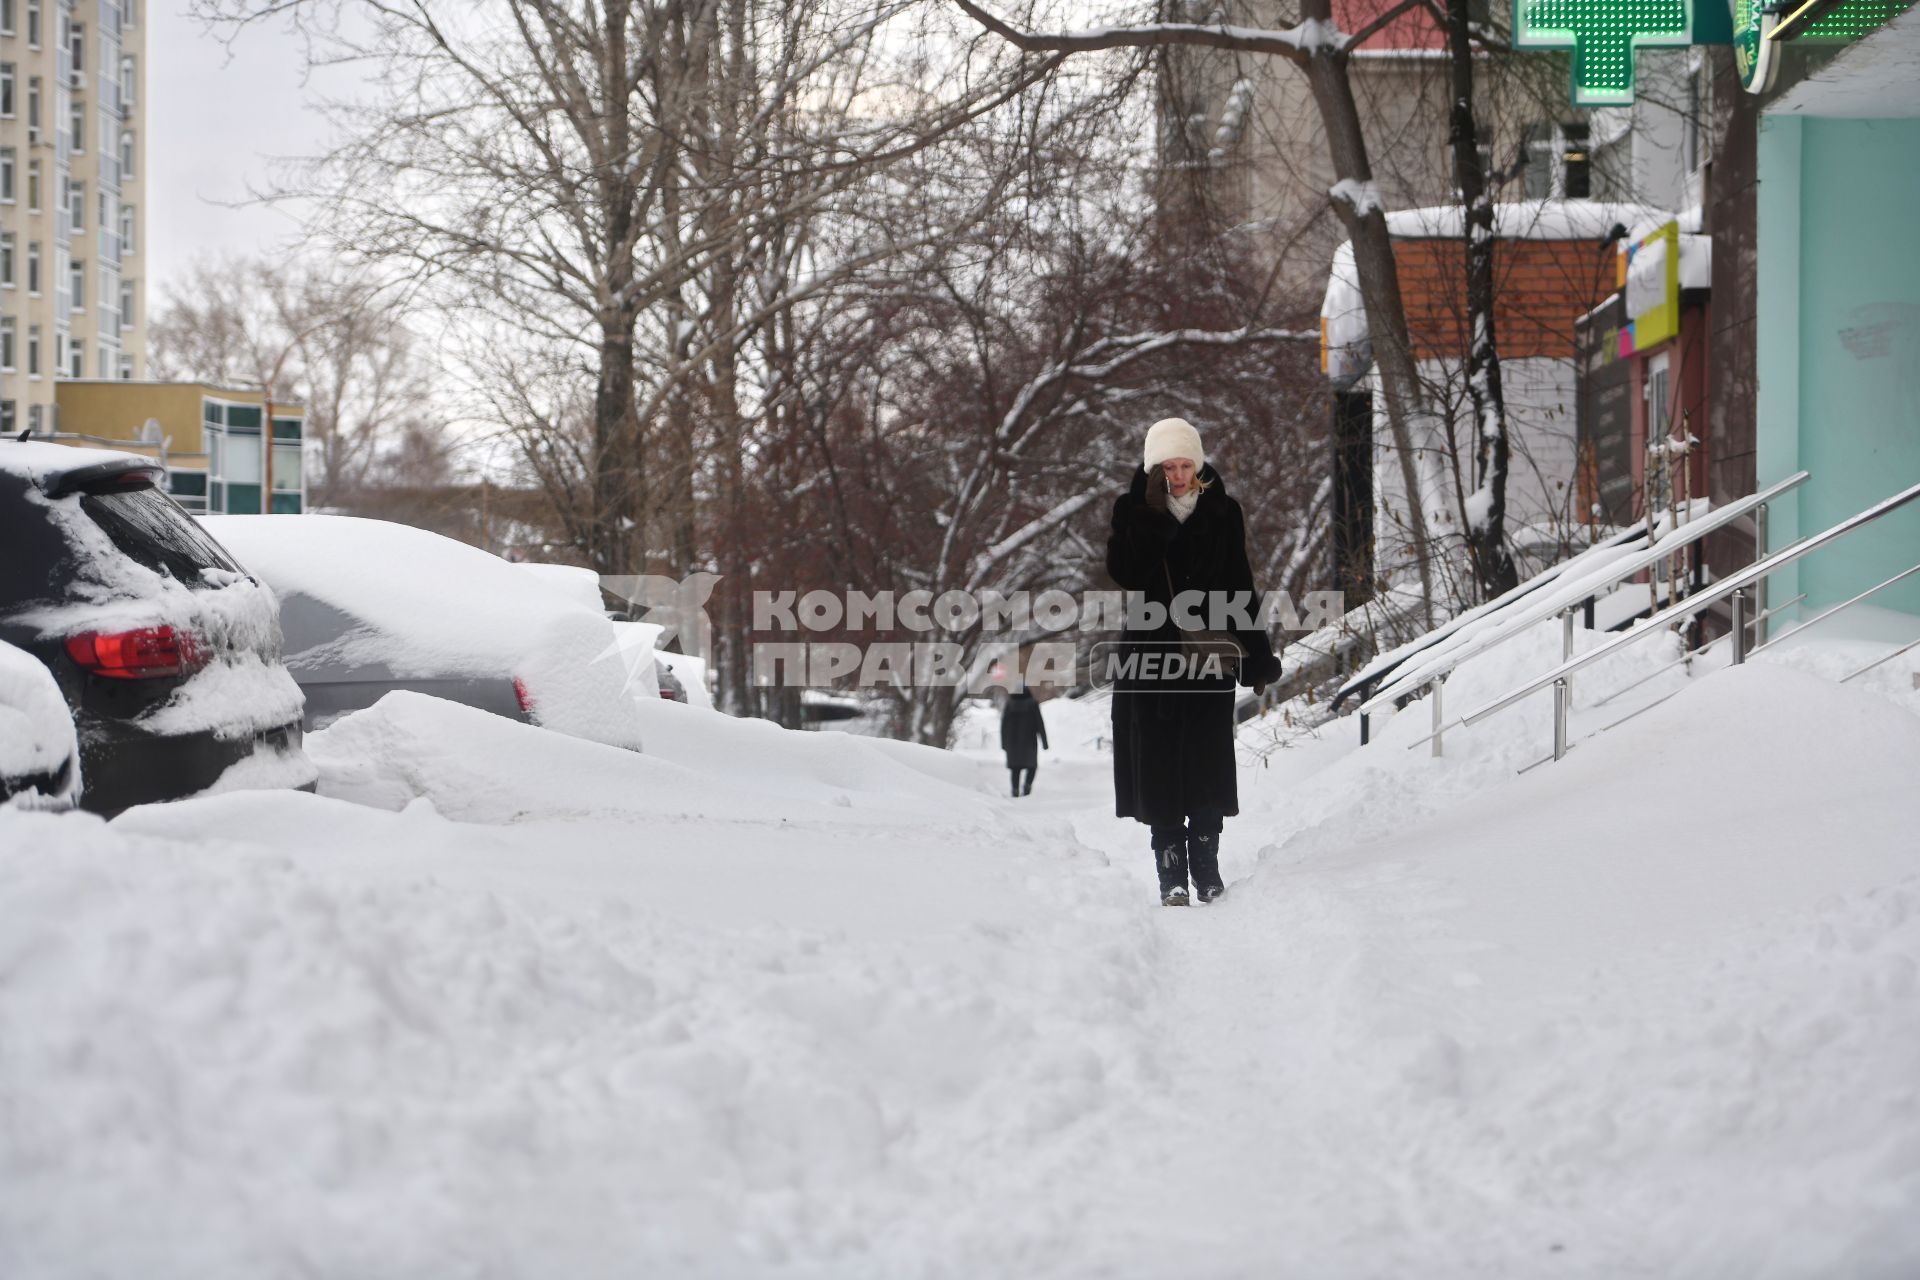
<point>236,458</point>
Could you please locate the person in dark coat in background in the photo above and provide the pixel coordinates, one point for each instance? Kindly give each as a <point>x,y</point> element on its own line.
<point>1021,726</point>
<point>1175,530</point>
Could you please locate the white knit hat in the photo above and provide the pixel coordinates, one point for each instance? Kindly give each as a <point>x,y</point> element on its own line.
<point>1174,438</point>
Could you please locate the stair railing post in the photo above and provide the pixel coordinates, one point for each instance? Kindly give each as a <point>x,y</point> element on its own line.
<point>1739,636</point>
<point>1566,639</point>
<point>1559,718</point>
<point>1760,618</point>
<point>1437,717</point>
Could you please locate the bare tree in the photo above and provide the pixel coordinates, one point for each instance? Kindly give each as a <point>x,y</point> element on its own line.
<point>315,335</point>
<point>1487,508</point>
<point>566,176</point>
<point>1321,51</point>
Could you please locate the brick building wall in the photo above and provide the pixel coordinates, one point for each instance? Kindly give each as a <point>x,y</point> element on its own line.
<point>1540,288</point>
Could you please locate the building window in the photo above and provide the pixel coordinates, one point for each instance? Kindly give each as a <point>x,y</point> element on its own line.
<point>76,360</point>
<point>33,267</point>
<point>7,411</point>
<point>106,361</point>
<point>6,343</point>
<point>33,186</point>
<point>1576,175</point>
<point>6,175</point>
<point>7,81</point>
<point>77,285</point>
<point>126,229</point>
<point>33,108</point>
<point>129,13</point>
<point>126,154</point>
<point>33,419</point>
<point>33,351</point>
<point>1556,163</point>
<point>77,43</point>
<point>6,17</point>
<point>286,468</point>
<point>33,23</point>
<point>126,367</point>
<point>77,206</point>
<point>127,83</point>
<point>77,126</point>
<point>6,259</point>
<point>126,304</point>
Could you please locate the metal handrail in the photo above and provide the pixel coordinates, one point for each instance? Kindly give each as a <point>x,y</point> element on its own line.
<point>1701,652</point>
<point>1828,613</point>
<point>1615,573</point>
<point>1404,654</point>
<point>1738,583</point>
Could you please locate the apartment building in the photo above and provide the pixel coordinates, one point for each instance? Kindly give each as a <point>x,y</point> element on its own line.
<point>72,175</point>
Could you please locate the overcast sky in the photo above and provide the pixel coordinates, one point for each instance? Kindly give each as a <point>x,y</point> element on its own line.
<point>215,117</point>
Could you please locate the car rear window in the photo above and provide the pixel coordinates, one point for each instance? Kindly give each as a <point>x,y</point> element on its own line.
<point>152,529</point>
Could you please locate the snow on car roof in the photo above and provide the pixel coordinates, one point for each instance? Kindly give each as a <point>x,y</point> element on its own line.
<point>578,584</point>
<point>441,602</point>
<point>42,460</point>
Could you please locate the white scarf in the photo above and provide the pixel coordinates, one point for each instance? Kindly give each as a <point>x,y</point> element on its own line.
<point>1182,506</point>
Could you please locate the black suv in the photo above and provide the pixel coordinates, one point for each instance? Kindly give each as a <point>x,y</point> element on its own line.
<point>166,650</point>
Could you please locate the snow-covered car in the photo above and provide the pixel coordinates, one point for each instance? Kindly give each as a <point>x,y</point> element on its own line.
<point>652,672</point>
<point>670,687</point>
<point>39,750</point>
<point>369,607</point>
<point>166,653</point>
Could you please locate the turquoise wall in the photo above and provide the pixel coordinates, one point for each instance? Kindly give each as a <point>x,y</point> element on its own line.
<point>1839,345</point>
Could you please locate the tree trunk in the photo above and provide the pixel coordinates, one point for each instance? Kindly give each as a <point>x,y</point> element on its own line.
<point>1366,225</point>
<point>618,465</point>
<point>1486,516</point>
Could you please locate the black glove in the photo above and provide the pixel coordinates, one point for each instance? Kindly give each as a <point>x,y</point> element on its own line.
<point>1258,670</point>
<point>1157,490</point>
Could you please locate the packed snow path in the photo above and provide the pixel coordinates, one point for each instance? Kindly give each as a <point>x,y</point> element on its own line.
<point>500,1003</point>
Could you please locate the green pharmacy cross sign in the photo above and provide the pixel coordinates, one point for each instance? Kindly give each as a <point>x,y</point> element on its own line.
<point>1604,34</point>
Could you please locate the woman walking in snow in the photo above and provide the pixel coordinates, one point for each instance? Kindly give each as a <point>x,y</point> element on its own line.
<point>1175,530</point>
<point>1021,728</point>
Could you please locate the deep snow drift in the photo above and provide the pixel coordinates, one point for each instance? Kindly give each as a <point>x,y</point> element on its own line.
<point>499,1002</point>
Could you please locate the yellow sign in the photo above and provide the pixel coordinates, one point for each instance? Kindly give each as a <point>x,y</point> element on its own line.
<point>1650,274</point>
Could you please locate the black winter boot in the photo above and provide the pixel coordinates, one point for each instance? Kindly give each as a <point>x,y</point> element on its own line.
<point>1170,858</point>
<point>1203,857</point>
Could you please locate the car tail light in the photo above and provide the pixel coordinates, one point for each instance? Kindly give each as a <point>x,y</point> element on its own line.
<point>668,695</point>
<point>520,692</point>
<point>141,654</point>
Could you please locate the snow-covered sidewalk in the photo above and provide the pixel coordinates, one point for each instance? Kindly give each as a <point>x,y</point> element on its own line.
<point>502,1003</point>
